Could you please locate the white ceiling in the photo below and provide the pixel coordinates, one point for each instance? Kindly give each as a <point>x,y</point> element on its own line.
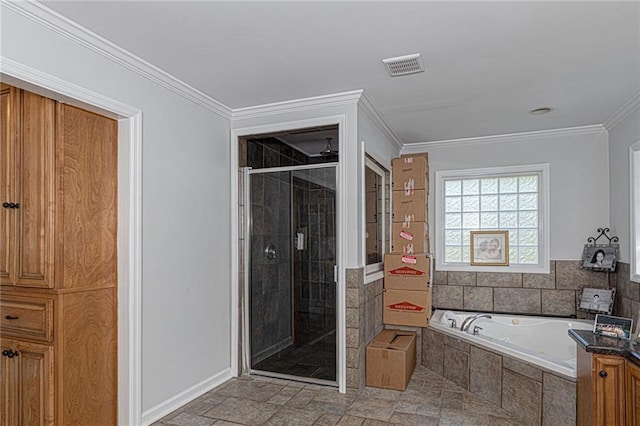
<point>487,63</point>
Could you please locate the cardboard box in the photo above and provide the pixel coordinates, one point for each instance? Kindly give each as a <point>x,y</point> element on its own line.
<point>371,207</point>
<point>409,206</point>
<point>372,239</point>
<point>391,359</point>
<point>406,272</point>
<point>370,180</point>
<point>406,307</point>
<point>409,173</point>
<point>409,237</point>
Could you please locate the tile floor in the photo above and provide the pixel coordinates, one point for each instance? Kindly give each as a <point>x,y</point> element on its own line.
<point>316,359</point>
<point>429,400</point>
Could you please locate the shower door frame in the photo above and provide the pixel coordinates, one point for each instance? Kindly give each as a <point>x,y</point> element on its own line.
<point>246,290</point>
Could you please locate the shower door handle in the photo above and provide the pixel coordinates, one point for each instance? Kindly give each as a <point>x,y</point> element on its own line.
<point>270,251</point>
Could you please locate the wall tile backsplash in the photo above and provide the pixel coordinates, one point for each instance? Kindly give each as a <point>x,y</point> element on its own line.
<point>552,294</point>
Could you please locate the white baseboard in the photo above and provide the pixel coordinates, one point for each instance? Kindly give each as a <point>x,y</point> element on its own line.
<point>159,411</point>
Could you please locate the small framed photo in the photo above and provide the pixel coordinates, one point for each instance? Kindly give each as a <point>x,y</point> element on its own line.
<point>607,325</point>
<point>597,299</point>
<point>600,257</point>
<point>490,248</point>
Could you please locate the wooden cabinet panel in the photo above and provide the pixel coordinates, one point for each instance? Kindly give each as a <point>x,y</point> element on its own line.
<point>609,385</point>
<point>27,317</point>
<point>28,180</point>
<point>28,380</point>
<point>7,180</point>
<point>89,198</point>
<point>633,394</point>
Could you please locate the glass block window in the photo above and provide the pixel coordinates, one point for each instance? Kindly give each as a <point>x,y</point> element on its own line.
<point>511,199</point>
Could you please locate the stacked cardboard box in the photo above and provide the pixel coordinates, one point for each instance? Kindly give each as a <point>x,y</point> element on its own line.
<point>407,296</point>
<point>391,359</point>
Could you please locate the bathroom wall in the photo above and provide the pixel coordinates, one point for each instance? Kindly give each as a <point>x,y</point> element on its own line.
<point>627,294</point>
<point>271,292</point>
<point>553,294</point>
<point>314,284</point>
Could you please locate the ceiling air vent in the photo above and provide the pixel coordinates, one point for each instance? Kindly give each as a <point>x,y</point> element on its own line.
<point>403,65</point>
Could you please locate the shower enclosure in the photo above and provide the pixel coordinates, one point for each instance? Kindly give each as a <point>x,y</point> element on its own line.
<point>290,303</point>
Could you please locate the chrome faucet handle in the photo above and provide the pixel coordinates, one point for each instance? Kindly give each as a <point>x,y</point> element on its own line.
<point>476,330</point>
<point>453,322</point>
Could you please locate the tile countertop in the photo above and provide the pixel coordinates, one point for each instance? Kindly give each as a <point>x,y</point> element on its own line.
<point>597,344</point>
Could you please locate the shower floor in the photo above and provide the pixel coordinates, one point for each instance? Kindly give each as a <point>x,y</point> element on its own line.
<point>316,360</point>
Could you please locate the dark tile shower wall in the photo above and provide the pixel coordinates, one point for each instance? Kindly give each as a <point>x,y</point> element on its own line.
<point>314,284</point>
<point>271,308</point>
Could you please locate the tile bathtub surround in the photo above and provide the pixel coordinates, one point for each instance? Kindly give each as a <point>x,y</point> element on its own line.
<point>531,395</point>
<point>627,294</point>
<point>552,294</point>
<point>429,400</point>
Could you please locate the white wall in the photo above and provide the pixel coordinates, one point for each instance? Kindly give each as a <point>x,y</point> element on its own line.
<point>621,137</point>
<point>579,176</point>
<point>185,187</point>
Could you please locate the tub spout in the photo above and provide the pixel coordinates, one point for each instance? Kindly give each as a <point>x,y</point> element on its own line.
<point>469,320</point>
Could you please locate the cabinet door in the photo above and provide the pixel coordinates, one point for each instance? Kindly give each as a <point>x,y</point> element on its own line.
<point>27,173</point>
<point>8,389</point>
<point>8,124</point>
<point>633,394</point>
<point>36,192</point>
<point>27,384</point>
<point>609,385</point>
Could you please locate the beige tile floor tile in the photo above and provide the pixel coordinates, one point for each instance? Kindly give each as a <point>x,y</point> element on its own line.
<point>429,400</point>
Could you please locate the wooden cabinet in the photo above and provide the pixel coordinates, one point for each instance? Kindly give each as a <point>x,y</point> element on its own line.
<point>26,390</point>
<point>608,390</point>
<point>58,262</point>
<point>633,394</point>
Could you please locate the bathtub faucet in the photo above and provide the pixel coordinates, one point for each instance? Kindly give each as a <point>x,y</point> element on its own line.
<point>468,320</point>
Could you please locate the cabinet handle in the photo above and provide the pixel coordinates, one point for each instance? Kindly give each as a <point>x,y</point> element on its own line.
<point>11,317</point>
<point>9,353</point>
<point>602,374</point>
<point>11,205</point>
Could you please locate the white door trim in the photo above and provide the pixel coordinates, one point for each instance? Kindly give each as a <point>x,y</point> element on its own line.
<point>129,221</point>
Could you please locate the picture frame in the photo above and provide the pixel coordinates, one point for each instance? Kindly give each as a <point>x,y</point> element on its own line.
<point>600,257</point>
<point>489,248</point>
<point>598,300</point>
<point>610,326</point>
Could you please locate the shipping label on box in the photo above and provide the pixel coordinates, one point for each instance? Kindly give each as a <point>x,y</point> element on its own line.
<point>406,307</point>
<point>406,272</point>
<point>391,359</point>
<point>409,207</point>
<point>409,237</point>
<point>409,173</point>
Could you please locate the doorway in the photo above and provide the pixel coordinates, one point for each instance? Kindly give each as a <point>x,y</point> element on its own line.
<point>289,309</point>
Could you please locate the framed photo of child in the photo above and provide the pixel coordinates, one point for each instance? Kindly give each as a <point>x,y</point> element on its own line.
<point>600,257</point>
<point>490,248</point>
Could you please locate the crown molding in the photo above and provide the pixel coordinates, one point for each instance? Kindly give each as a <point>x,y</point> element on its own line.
<point>511,137</point>
<point>372,112</point>
<point>337,99</point>
<point>620,115</point>
<point>53,21</point>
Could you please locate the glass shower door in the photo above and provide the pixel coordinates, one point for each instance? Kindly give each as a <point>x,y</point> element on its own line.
<point>291,285</point>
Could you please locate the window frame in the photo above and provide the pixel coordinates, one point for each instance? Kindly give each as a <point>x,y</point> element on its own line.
<point>376,270</point>
<point>634,205</point>
<point>542,170</point>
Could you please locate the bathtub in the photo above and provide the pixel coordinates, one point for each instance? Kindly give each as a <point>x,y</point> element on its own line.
<point>540,341</point>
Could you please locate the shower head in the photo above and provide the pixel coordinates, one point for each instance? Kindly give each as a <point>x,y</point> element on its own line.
<point>329,149</point>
